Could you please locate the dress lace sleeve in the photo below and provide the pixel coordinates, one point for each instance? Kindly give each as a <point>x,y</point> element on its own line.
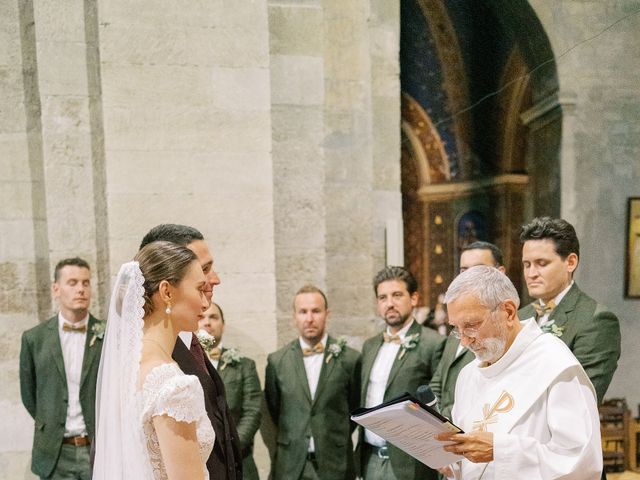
<point>167,391</point>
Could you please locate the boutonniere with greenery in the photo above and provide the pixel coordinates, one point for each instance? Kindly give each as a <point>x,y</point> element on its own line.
<point>98,331</point>
<point>408,343</point>
<point>207,341</point>
<point>335,349</point>
<point>229,357</point>
<point>552,328</point>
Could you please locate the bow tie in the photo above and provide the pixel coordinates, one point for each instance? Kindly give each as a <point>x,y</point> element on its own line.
<point>70,327</point>
<point>543,310</point>
<point>215,353</point>
<point>391,338</point>
<point>317,349</point>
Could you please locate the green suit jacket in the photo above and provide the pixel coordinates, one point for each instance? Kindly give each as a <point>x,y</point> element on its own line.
<point>443,383</point>
<point>326,417</point>
<point>43,386</point>
<point>409,370</point>
<point>244,397</point>
<point>592,333</point>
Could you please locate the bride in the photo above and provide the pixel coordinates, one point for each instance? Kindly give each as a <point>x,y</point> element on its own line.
<point>151,421</point>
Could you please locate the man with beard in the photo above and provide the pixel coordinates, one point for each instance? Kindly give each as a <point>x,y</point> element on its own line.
<point>516,427</point>
<point>395,361</point>
<point>454,355</point>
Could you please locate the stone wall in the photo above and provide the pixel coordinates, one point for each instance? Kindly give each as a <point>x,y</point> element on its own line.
<point>600,151</point>
<point>272,126</point>
<point>250,120</point>
<point>335,117</point>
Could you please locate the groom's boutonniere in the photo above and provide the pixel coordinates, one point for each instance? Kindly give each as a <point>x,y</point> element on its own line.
<point>408,343</point>
<point>206,340</point>
<point>229,357</point>
<point>552,328</point>
<point>98,331</point>
<point>335,349</point>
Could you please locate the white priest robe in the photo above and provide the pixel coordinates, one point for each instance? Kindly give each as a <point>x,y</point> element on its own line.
<point>541,407</point>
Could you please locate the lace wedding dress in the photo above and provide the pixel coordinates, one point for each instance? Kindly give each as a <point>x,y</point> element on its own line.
<point>168,391</point>
<point>126,444</point>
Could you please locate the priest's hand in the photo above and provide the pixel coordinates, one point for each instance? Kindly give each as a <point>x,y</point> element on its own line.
<point>446,471</point>
<point>477,447</point>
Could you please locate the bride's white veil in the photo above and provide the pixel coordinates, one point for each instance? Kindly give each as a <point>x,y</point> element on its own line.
<point>120,446</point>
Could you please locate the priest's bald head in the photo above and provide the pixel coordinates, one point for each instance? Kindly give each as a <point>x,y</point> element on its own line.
<point>482,304</point>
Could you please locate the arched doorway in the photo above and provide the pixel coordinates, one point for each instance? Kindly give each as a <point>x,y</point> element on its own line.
<point>477,139</point>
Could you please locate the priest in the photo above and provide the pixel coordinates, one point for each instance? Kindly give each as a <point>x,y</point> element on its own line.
<point>526,405</point>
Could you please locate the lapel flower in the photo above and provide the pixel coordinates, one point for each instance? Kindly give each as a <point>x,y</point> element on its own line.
<point>408,343</point>
<point>98,331</point>
<point>552,328</point>
<point>206,340</point>
<point>230,356</point>
<point>335,349</point>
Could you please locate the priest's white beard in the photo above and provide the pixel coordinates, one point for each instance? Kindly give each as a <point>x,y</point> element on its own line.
<point>490,350</point>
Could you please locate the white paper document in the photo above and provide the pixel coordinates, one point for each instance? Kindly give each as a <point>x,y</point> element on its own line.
<point>411,427</point>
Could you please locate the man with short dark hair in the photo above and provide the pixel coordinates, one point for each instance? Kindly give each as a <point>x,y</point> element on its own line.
<point>398,360</point>
<point>481,253</point>
<point>550,256</point>
<point>242,385</point>
<point>225,461</point>
<point>58,370</point>
<point>311,386</point>
<point>455,356</point>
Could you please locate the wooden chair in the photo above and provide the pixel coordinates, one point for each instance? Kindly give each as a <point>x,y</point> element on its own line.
<point>634,430</point>
<point>614,429</point>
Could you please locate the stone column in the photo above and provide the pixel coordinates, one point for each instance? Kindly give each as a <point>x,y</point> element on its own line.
<point>349,160</point>
<point>24,261</point>
<point>298,95</point>
<point>384,38</point>
<point>69,94</point>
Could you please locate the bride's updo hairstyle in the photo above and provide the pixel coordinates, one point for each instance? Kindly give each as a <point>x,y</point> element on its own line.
<point>162,261</point>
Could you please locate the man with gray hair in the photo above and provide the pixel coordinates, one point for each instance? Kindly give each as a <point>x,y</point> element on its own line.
<point>454,355</point>
<point>526,405</point>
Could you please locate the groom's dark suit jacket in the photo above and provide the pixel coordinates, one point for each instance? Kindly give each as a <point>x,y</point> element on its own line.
<point>225,462</point>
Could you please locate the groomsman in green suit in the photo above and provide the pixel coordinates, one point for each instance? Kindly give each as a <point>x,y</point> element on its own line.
<point>58,369</point>
<point>398,360</point>
<point>311,386</point>
<point>550,256</point>
<point>455,356</point>
<point>242,386</point>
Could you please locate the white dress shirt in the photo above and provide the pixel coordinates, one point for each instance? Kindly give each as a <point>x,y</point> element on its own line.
<point>545,318</point>
<point>72,344</point>
<point>313,366</point>
<point>378,379</point>
<point>186,338</point>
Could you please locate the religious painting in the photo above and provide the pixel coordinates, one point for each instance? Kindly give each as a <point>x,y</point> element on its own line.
<point>632,280</point>
<point>472,227</point>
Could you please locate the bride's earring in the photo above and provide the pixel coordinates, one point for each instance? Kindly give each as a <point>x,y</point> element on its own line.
<point>168,309</point>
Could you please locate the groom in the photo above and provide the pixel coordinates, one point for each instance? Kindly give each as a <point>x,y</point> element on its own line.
<point>225,462</point>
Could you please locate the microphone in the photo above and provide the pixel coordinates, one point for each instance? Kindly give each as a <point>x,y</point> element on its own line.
<point>426,396</point>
